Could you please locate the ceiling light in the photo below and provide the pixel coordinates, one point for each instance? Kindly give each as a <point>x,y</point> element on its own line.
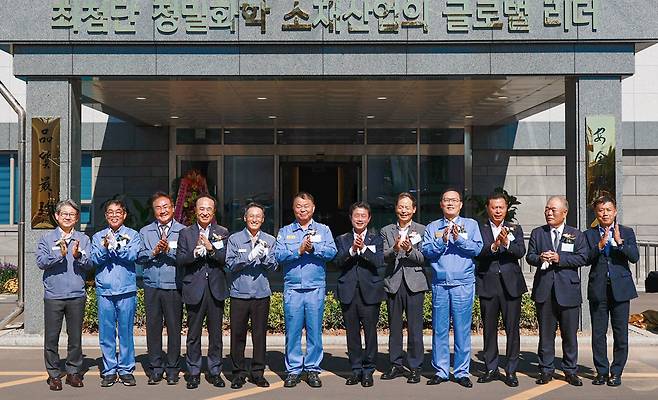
<point>140,98</point>
<point>360,131</point>
<point>370,116</point>
<point>174,117</point>
<point>226,131</point>
<point>502,97</point>
<point>280,132</point>
<point>382,98</point>
<point>261,98</point>
<point>157,125</point>
<point>413,132</point>
<point>272,117</point>
<point>468,116</point>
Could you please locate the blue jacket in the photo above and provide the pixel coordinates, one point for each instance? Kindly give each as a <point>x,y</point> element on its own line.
<point>63,277</point>
<point>249,279</point>
<point>159,271</point>
<point>115,269</point>
<point>452,263</point>
<point>306,271</point>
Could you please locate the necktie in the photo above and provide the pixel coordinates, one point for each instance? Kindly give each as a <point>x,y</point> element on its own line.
<point>556,239</point>
<point>163,231</point>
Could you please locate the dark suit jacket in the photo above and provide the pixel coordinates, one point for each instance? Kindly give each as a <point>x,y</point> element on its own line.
<point>623,287</point>
<point>504,260</point>
<point>194,270</point>
<point>361,269</point>
<point>564,276</point>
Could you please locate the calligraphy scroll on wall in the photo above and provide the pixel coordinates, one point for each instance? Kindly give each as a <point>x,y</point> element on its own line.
<point>601,157</point>
<point>45,171</point>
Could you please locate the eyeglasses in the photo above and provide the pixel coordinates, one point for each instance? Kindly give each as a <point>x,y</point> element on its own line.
<point>163,208</point>
<point>451,201</point>
<point>114,213</point>
<point>67,214</point>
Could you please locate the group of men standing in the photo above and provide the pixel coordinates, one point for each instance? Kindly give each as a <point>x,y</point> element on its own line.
<point>201,265</point>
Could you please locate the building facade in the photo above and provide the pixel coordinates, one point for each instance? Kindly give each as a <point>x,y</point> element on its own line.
<point>348,100</point>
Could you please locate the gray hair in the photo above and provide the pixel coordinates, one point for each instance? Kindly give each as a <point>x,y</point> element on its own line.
<point>67,202</point>
<point>562,199</point>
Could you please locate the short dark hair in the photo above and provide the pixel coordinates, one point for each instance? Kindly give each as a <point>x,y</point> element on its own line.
<point>304,196</point>
<point>116,202</point>
<point>496,196</point>
<point>206,196</point>
<point>158,195</point>
<point>406,195</point>
<point>606,198</point>
<point>254,205</point>
<point>360,204</point>
<point>452,189</point>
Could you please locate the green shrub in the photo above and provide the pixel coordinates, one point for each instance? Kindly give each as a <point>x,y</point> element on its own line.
<point>333,316</point>
<point>7,271</point>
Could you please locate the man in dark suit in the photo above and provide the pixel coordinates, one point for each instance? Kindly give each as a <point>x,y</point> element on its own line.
<point>201,254</point>
<point>360,292</point>
<point>500,284</point>
<point>557,250</point>
<point>610,288</point>
<point>406,283</point>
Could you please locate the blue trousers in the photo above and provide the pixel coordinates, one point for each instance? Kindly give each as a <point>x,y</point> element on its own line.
<point>303,308</point>
<point>456,303</point>
<point>117,312</point>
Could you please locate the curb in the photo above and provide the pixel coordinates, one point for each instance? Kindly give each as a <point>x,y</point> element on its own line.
<point>17,338</point>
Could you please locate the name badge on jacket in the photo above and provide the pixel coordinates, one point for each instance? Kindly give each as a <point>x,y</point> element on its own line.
<point>567,247</point>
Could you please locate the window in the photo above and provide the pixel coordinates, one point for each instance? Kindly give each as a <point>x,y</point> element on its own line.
<point>86,189</point>
<point>8,198</point>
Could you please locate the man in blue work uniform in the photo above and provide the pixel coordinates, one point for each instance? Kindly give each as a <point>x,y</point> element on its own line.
<point>162,296</point>
<point>303,248</point>
<point>450,244</point>
<point>113,252</point>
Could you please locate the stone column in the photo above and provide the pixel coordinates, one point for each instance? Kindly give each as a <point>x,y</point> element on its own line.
<point>587,96</point>
<point>54,98</point>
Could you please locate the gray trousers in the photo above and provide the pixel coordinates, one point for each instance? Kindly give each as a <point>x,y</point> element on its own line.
<point>54,312</point>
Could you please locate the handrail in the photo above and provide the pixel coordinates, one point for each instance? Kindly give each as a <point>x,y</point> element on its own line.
<point>20,112</point>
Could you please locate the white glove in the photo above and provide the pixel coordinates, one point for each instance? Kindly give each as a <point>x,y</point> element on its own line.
<point>112,243</point>
<point>257,252</point>
<point>200,251</point>
<point>544,265</point>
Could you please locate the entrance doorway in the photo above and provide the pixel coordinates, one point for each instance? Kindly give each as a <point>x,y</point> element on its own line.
<point>335,183</point>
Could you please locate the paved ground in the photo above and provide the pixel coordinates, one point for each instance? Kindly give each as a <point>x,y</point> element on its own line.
<point>22,377</point>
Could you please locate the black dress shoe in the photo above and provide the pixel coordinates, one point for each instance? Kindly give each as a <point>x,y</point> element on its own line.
<point>259,381</point>
<point>614,380</point>
<point>465,382</point>
<point>414,377</point>
<point>489,376</point>
<point>544,378</point>
<point>367,380</point>
<point>354,379</point>
<point>394,372</point>
<point>154,379</point>
<point>172,379</point>
<point>291,381</point>
<point>600,379</point>
<point>54,383</point>
<point>217,381</point>
<point>573,379</point>
<point>511,380</point>
<point>313,379</point>
<point>237,382</point>
<point>193,381</point>
<point>435,380</point>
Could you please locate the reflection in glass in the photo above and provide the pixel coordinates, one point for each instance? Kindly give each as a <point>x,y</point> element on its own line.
<point>198,136</point>
<point>248,136</point>
<point>248,179</point>
<point>387,177</point>
<point>436,174</point>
